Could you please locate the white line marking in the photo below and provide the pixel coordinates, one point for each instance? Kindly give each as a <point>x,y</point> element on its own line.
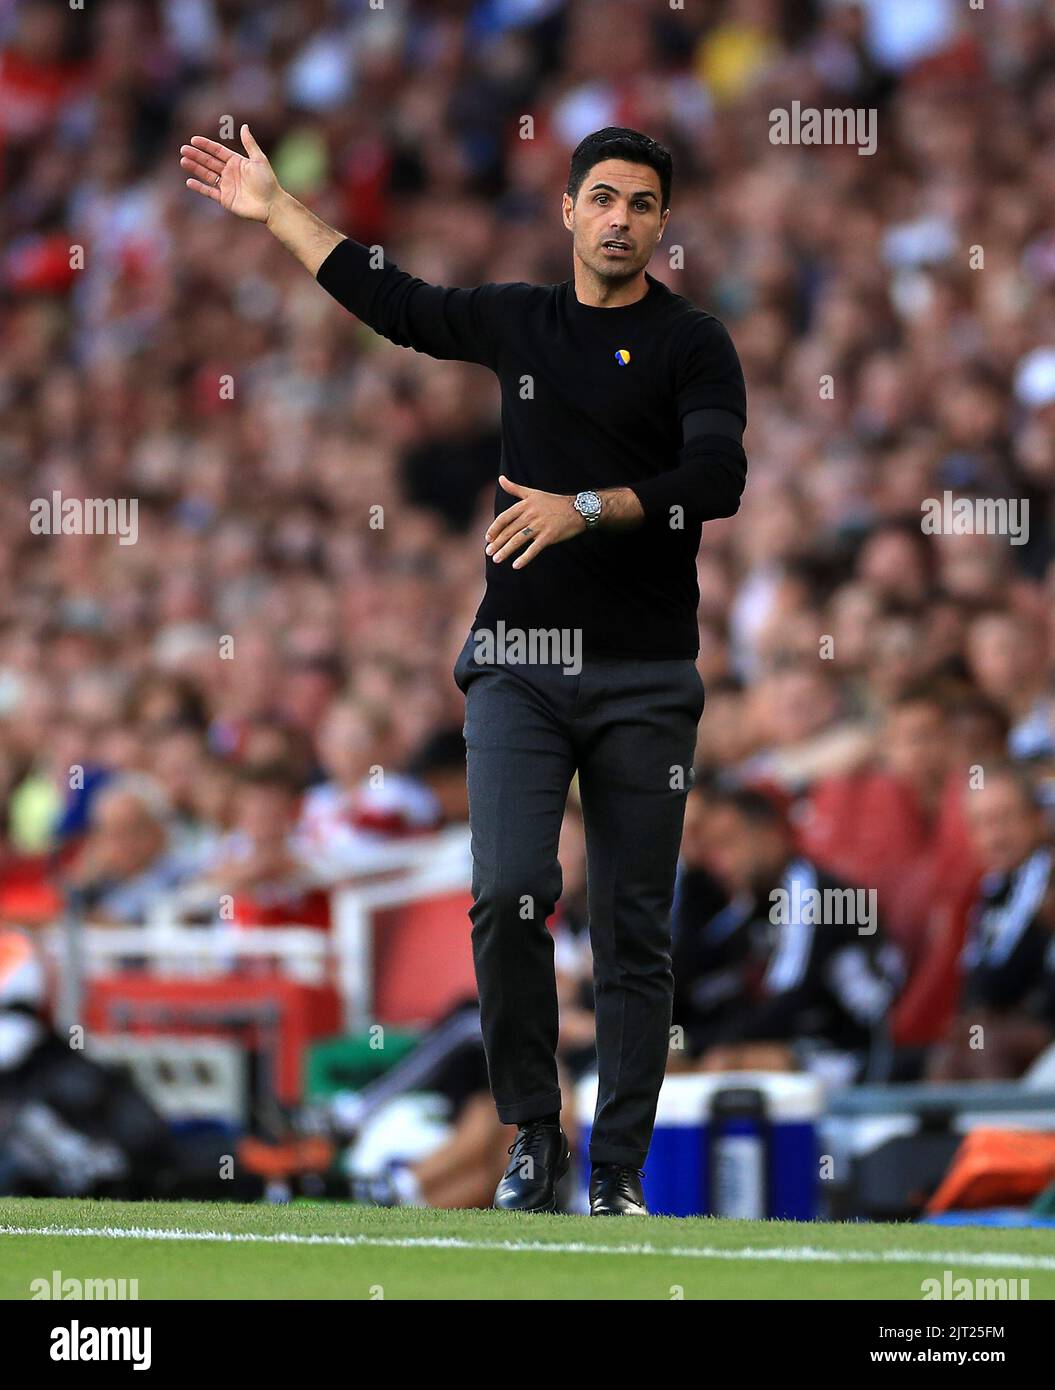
<point>788,1254</point>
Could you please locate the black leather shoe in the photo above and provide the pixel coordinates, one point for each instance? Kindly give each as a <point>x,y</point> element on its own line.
<point>539,1158</point>
<point>615,1190</point>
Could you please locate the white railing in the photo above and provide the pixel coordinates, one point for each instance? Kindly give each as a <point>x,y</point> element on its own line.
<point>169,949</point>
<point>167,945</point>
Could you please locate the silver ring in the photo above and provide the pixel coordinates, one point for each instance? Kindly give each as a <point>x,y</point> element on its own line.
<point>527,531</point>
<point>217,183</point>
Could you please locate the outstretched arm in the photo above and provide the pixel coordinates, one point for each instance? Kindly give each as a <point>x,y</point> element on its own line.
<point>246,185</point>
<point>451,324</point>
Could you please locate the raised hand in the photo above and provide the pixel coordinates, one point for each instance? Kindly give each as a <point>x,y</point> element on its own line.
<point>242,184</point>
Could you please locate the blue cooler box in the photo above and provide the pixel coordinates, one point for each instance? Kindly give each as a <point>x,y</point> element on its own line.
<point>740,1144</point>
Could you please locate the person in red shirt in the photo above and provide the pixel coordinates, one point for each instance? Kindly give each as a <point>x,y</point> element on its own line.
<point>259,865</point>
<point>897,824</point>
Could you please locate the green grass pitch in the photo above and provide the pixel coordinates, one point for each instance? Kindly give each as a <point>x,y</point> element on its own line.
<point>200,1250</point>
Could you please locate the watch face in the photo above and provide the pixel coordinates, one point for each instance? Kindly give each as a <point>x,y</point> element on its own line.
<point>589,504</point>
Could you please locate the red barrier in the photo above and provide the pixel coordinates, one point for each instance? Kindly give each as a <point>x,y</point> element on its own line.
<point>266,1013</point>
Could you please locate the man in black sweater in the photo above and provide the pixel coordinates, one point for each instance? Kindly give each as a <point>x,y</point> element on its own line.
<point>623,410</point>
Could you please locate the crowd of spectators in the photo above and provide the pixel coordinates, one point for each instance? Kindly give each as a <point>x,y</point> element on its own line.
<point>216,699</point>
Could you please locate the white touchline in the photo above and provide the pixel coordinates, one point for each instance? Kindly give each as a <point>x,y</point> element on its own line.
<point>789,1253</point>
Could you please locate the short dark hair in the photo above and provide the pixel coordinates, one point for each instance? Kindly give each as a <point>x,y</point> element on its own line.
<point>753,804</point>
<point>442,751</point>
<point>620,142</point>
<point>922,690</point>
<point>273,776</point>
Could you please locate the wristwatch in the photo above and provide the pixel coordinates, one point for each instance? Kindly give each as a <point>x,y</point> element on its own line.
<point>588,505</point>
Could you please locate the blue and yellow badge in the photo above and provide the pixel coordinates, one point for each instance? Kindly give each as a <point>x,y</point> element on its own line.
<point>622,356</point>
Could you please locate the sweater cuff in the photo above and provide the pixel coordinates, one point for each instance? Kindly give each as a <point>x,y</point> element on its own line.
<point>343,273</point>
<point>707,482</point>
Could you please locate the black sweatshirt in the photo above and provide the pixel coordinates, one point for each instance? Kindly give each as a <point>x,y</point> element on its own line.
<point>591,398</point>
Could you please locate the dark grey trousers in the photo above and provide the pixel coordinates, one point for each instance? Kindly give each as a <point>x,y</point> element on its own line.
<point>629,728</point>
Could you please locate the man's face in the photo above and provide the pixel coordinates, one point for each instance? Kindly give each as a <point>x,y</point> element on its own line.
<point>1004,827</point>
<point>125,837</point>
<point>266,814</point>
<point>346,746</point>
<point>916,744</point>
<point>995,649</point>
<point>745,857</point>
<point>617,201</point>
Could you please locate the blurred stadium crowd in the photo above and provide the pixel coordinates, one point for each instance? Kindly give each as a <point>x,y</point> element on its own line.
<point>320,496</point>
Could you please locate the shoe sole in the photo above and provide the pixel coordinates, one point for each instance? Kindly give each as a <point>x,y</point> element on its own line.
<point>618,1213</point>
